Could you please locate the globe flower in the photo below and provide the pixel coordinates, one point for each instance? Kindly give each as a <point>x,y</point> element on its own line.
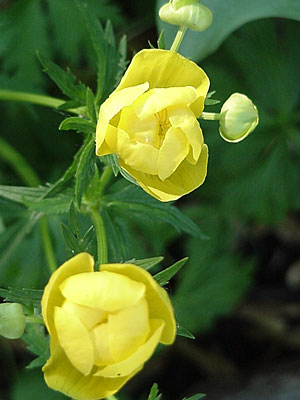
<point>238,118</point>
<point>103,326</point>
<point>150,123</point>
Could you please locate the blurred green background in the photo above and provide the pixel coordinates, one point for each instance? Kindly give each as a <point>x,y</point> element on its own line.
<point>239,293</point>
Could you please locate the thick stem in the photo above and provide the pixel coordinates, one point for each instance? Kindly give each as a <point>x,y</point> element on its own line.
<point>100,234</point>
<point>37,99</point>
<point>210,116</point>
<point>178,38</point>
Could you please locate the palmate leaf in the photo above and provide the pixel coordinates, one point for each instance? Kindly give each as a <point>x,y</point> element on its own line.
<point>131,199</point>
<point>38,343</point>
<point>77,124</point>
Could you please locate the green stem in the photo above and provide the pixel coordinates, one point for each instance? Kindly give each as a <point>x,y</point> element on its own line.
<point>34,319</point>
<point>47,243</point>
<point>18,164</point>
<point>37,99</point>
<point>210,116</point>
<point>178,38</point>
<point>100,234</point>
<point>104,179</point>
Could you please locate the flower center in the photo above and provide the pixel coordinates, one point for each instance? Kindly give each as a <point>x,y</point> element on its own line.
<point>163,124</point>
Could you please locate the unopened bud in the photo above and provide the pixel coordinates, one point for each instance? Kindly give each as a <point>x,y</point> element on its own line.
<point>188,13</point>
<point>238,118</point>
<point>12,320</point>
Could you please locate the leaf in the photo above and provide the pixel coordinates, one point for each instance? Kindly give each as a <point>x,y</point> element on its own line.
<point>182,331</point>
<point>211,102</point>
<point>70,240</point>
<point>154,393</point>
<point>90,104</point>
<point>27,297</point>
<point>132,199</point>
<point>235,14</point>
<point>78,124</point>
<point>163,277</point>
<point>52,206</point>
<point>18,193</point>
<point>146,263</point>
<point>85,170</point>
<point>161,40</point>
<point>196,397</point>
<point>112,161</point>
<point>65,80</point>
<point>38,343</point>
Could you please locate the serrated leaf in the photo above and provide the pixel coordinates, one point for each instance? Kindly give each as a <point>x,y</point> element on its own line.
<point>19,193</point>
<point>146,263</point>
<point>52,206</point>
<point>78,124</point>
<point>132,199</point>
<point>38,343</point>
<point>112,161</point>
<point>163,277</point>
<point>154,393</point>
<point>85,170</point>
<point>70,240</point>
<point>73,221</point>
<point>182,331</point>
<point>90,104</point>
<point>26,297</point>
<point>65,80</point>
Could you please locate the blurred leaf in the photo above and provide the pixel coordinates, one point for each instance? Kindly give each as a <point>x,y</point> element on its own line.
<point>146,263</point>
<point>78,124</point>
<point>132,199</point>
<point>235,14</point>
<point>161,40</point>
<point>85,169</point>
<point>38,343</point>
<point>163,277</point>
<point>182,331</point>
<point>27,297</point>
<point>195,397</point>
<point>154,393</point>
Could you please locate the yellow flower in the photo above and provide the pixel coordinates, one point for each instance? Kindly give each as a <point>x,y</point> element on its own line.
<point>150,122</point>
<point>103,326</point>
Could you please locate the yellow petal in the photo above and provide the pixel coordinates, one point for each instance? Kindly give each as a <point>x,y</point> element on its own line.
<point>137,359</point>
<point>108,291</point>
<point>142,157</point>
<point>52,296</point>
<point>184,118</point>
<point>142,130</point>
<point>128,329</point>
<point>185,179</point>
<point>74,339</point>
<point>173,151</point>
<point>159,304</point>
<point>60,375</point>
<point>156,100</point>
<point>88,316</point>
<point>165,68</point>
<point>111,107</point>
<point>99,337</point>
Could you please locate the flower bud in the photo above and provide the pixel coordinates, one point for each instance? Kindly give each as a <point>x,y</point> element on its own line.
<point>12,320</point>
<point>188,13</point>
<point>238,118</point>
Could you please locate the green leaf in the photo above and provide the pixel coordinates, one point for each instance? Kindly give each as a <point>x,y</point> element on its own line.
<point>211,102</point>
<point>112,161</point>
<point>196,397</point>
<point>182,331</point>
<point>132,199</point>
<point>52,206</point>
<point>65,80</point>
<point>26,297</point>
<point>163,277</point>
<point>38,343</point>
<point>70,240</point>
<point>161,40</point>
<point>154,393</point>
<point>146,263</point>
<point>78,124</point>
<point>18,193</point>
<point>228,16</point>
<point>85,170</point>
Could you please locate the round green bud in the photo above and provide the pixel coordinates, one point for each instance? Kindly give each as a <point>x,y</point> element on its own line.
<point>12,320</point>
<point>188,13</point>
<point>238,118</point>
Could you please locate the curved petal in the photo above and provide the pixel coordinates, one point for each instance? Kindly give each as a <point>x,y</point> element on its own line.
<point>106,290</point>
<point>111,107</point>
<point>185,179</point>
<point>156,100</point>
<point>184,119</point>
<point>137,359</point>
<point>52,296</point>
<point>128,329</point>
<point>99,337</point>
<point>87,315</point>
<point>74,339</point>
<point>142,157</point>
<point>159,304</point>
<point>165,68</point>
<point>173,151</point>
<point>60,375</point>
